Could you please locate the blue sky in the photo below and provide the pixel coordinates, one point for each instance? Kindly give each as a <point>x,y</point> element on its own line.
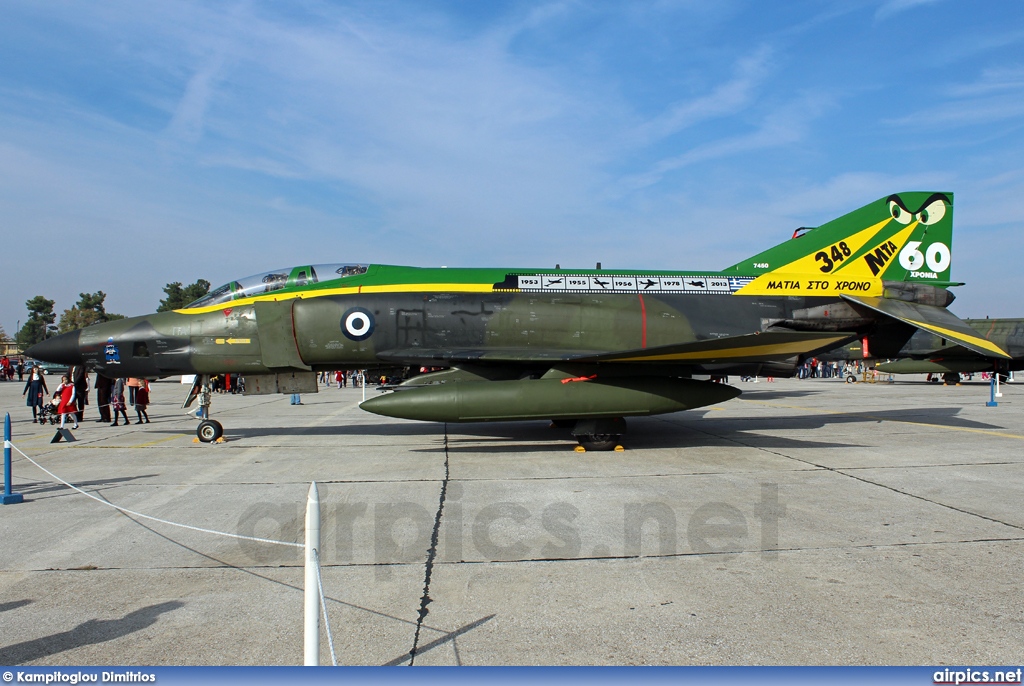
<point>142,143</point>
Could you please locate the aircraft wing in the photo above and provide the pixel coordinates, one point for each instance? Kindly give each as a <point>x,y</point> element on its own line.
<point>937,320</point>
<point>755,347</point>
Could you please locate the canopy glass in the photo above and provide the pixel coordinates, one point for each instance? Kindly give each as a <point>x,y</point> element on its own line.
<point>277,279</point>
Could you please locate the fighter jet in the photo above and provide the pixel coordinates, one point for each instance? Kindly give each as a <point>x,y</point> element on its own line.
<point>930,353</point>
<point>586,348</point>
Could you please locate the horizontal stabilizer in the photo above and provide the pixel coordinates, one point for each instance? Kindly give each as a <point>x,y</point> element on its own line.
<point>936,320</point>
<point>754,347</point>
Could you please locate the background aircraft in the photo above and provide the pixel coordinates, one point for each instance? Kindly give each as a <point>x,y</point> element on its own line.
<point>929,353</point>
<point>584,347</point>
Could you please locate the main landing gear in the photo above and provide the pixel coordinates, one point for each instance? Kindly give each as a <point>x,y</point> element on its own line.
<point>595,434</point>
<point>209,430</point>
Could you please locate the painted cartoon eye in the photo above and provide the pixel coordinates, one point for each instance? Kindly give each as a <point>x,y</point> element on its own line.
<point>933,213</point>
<point>899,214</point>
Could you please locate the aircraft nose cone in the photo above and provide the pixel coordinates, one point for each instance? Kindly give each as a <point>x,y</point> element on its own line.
<point>62,349</point>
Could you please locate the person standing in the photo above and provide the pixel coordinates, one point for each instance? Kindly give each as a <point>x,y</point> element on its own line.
<point>21,368</point>
<point>117,401</point>
<point>80,378</point>
<point>35,391</point>
<point>141,401</point>
<point>103,385</point>
<point>296,399</point>
<point>67,406</point>
<point>132,384</point>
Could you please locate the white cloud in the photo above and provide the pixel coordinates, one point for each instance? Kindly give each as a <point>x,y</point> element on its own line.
<point>892,7</point>
<point>726,99</point>
<point>781,127</point>
<point>187,122</point>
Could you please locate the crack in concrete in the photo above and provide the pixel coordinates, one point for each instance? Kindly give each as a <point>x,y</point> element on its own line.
<point>425,600</point>
<point>840,471</point>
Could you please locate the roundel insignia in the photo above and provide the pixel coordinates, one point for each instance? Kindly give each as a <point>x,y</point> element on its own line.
<point>357,323</point>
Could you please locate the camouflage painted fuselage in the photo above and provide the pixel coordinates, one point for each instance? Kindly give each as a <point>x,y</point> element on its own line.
<point>309,332</point>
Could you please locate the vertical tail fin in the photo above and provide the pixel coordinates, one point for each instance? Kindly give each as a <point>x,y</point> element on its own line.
<point>902,237</point>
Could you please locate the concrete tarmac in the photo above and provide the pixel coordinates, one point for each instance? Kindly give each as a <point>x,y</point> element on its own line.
<point>807,522</point>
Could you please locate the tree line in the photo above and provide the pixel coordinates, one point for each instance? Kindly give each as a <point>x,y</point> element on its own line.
<point>90,309</point>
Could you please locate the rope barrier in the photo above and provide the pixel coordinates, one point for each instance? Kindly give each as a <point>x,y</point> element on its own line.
<point>157,519</point>
<point>323,605</point>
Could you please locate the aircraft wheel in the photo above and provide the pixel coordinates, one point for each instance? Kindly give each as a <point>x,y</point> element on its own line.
<point>951,378</point>
<point>209,430</point>
<point>851,379</point>
<point>597,442</point>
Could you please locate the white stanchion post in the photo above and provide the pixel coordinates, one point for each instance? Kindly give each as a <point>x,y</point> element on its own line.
<point>999,393</point>
<point>312,595</point>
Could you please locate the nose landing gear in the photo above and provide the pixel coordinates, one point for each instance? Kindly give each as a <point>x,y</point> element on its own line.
<point>209,430</point>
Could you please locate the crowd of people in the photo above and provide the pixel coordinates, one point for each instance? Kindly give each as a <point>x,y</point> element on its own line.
<point>819,369</point>
<point>339,378</point>
<point>70,397</point>
<point>227,383</point>
<point>342,379</point>
<point>114,397</point>
<point>9,367</point>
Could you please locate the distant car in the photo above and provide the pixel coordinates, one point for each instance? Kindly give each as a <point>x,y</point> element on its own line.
<point>47,367</point>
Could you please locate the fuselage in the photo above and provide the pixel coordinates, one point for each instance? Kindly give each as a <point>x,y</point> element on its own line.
<point>388,315</point>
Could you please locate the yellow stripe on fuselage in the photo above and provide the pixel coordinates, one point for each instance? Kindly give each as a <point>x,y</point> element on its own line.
<point>350,290</point>
<point>430,288</point>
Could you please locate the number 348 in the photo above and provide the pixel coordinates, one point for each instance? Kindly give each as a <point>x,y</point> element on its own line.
<point>829,257</point>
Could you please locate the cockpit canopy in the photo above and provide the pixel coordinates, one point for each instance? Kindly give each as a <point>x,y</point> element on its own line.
<point>275,280</point>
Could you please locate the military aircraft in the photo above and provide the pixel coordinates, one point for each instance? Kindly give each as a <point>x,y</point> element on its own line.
<point>931,353</point>
<point>586,348</point>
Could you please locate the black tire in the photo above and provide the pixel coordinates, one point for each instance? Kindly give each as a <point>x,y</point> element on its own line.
<point>209,430</point>
<point>951,378</point>
<point>598,442</point>
<point>851,379</point>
